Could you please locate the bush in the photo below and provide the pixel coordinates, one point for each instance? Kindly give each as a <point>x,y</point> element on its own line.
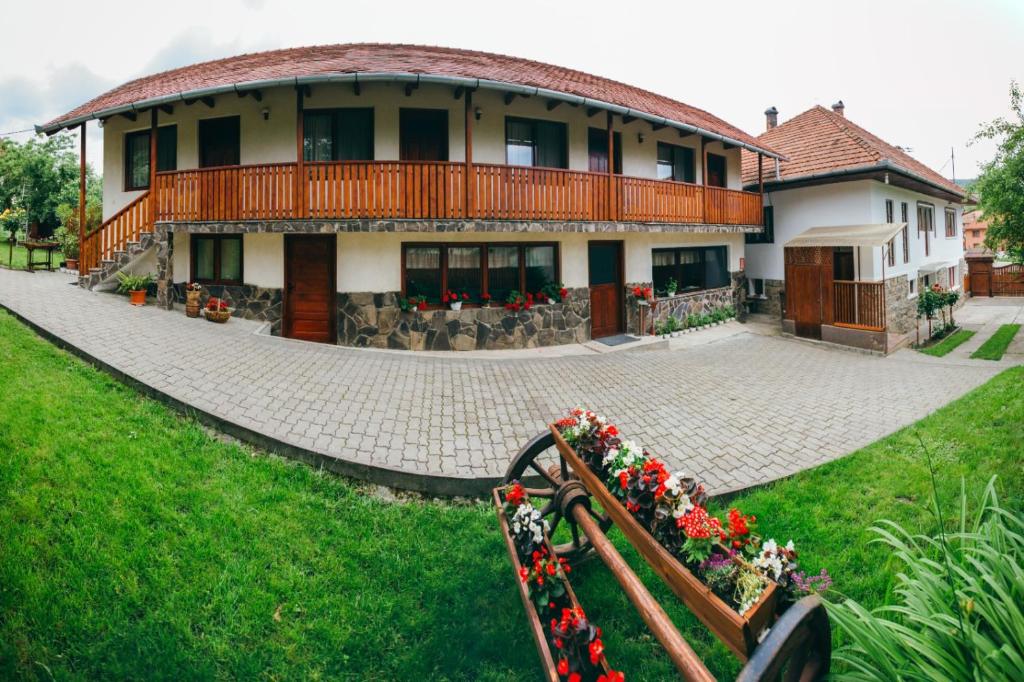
<point>960,613</point>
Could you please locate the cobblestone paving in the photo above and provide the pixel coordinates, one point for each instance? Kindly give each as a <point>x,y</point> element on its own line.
<point>736,412</point>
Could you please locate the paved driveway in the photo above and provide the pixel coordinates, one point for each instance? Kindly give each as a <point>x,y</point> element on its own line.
<point>742,410</point>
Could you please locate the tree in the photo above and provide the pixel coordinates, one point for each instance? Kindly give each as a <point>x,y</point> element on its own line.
<point>40,175</point>
<point>1000,187</point>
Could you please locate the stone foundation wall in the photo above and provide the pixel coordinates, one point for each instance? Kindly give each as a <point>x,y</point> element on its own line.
<point>900,311</point>
<point>375,320</point>
<point>249,302</point>
<point>681,305</point>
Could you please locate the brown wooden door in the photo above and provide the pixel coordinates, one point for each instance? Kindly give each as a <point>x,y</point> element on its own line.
<point>309,286</point>
<point>803,291</point>
<point>605,264</point>
<point>423,135</point>
<point>597,151</point>
<point>219,142</point>
<point>716,171</point>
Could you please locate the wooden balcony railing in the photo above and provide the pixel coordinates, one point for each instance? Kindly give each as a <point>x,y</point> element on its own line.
<point>860,305</point>
<point>125,226</point>
<point>440,190</point>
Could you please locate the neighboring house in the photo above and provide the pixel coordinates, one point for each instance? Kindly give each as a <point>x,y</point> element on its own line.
<point>323,188</point>
<point>974,229</point>
<point>855,229</point>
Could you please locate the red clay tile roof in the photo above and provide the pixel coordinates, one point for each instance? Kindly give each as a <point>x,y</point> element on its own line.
<point>820,141</point>
<point>405,59</point>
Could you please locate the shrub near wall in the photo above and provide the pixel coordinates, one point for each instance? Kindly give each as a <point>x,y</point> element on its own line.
<point>376,321</point>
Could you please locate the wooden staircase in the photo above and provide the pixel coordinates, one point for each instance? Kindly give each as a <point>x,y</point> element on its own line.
<point>116,243</point>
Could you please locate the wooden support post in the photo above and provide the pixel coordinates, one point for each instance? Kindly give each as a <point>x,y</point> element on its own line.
<point>704,176</point>
<point>612,213</point>
<point>81,201</point>
<point>299,210</point>
<point>470,183</point>
<point>679,651</point>
<point>153,137</point>
<point>760,174</point>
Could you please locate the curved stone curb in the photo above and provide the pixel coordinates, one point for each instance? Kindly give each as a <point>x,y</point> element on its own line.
<point>430,484</point>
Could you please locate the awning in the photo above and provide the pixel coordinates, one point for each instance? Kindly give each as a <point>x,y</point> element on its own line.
<point>848,235</point>
<point>933,266</point>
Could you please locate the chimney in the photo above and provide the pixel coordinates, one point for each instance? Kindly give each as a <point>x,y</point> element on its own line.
<point>771,115</point>
<point>839,108</point>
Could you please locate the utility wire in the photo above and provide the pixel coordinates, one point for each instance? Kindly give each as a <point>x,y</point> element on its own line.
<point>17,132</point>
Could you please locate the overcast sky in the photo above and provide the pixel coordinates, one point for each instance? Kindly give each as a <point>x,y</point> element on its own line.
<point>920,74</point>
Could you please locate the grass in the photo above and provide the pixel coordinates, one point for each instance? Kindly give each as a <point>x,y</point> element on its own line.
<point>997,344</point>
<point>948,344</point>
<point>134,544</point>
<point>17,258</point>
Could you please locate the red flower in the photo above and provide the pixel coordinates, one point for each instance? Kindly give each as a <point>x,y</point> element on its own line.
<point>486,297</point>
<point>623,480</point>
<point>575,677</point>
<point>524,573</point>
<point>563,292</point>
<point>515,495</point>
<point>422,304</point>
<point>563,666</point>
<point>612,676</point>
<point>612,430</point>
<point>465,296</point>
<point>596,649</point>
<point>551,569</point>
<point>558,642</point>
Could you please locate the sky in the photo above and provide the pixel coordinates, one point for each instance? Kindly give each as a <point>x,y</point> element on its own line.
<point>920,74</point>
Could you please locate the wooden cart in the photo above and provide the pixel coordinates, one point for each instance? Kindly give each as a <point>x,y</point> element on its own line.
<point>796,647</point>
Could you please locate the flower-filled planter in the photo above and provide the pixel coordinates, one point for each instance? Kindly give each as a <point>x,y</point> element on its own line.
<point>193,291</point>
<point>570,647</point>
<point>217,310</point>
<point>731,579</point>
<point>455,299</point>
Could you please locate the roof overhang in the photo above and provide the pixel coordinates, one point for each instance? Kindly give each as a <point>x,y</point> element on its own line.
<point>848,235</point>
<point>933,266</point>
<point>901,177</point>
<point>400,77</point>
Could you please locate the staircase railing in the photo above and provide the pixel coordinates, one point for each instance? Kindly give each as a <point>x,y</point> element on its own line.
<point>127,225</point>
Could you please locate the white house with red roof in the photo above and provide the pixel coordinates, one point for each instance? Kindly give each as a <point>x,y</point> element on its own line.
<point>343,193</point>
<point>855,228</point>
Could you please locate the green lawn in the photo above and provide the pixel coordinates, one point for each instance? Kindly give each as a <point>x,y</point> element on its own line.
<point>996,344</point>
<point>133,544</point>
<point>17,258</point>
<point>948,344</point>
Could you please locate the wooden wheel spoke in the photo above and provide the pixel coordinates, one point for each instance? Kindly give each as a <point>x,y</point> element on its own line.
<point>553,523</point>
<point>575,535</point>
<point>540,492</point>
<point>545,475</point>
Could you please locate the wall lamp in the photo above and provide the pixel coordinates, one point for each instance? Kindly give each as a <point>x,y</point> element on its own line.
<point>640,138</point>
<point>266,113</point>
<point>478,112</point>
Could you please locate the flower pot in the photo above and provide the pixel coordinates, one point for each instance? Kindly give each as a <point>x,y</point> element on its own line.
<point>192,303</point>
<point>218,316</point>
<point>137,297</point>
<point>457,305</point>
<point>71,263</point>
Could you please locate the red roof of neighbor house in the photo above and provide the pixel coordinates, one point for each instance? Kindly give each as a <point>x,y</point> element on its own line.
<point>822,141</point>
<point>397,59</point>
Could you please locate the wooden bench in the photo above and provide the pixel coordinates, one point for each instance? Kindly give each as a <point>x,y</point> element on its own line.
<point>793,646</point>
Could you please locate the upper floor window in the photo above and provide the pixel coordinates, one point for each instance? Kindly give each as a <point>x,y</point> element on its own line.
<point>906,240</point>
<point>768,236</point>
<point>136,155</point>
<point>904,212</point>
<point>532,142</point>
<point>925,224</point>
<point>705,267</point>
<point>715,175</point>
<point>950,222</point>
<point>676,163</point>
<point>889,205</point>
<point>423,134</point>
<point>219,142</point>
<point>337,135</point>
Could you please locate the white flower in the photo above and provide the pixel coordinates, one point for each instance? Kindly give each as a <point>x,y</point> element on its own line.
<point>610,456</point>
<point>789,546</point>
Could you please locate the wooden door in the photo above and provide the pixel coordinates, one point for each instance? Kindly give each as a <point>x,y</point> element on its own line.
<point>219,142</point>
<point>809,281</point>
<point>423,135</point>
<point>309,286</point>
<point>597,151</point>
<point>716,171</point>
<point>605,264</point>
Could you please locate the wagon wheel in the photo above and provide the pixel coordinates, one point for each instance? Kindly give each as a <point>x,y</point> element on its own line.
<point>798,648</point>
<point>551,484</point>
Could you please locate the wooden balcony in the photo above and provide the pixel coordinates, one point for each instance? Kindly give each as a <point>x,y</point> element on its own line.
<point>440,191</point>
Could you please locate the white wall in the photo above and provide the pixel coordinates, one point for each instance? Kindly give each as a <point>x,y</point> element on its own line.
<point>273,140</point>
<point>858,202</point>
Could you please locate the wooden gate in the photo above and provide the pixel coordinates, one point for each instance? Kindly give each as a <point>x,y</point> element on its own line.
<point>986,279</point>
<point>1008,280</point>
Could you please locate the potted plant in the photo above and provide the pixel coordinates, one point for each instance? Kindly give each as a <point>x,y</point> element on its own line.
<point>135,286</point>
<point>68,240</point>
<point>193,291</point>
<point>486,299</point>
<point>412,303</point>
<point>671,287</point>
<point>455,299</point>
<point>217,310</point>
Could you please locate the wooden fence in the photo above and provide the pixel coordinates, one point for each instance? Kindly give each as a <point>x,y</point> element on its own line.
<point>859,304</point>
